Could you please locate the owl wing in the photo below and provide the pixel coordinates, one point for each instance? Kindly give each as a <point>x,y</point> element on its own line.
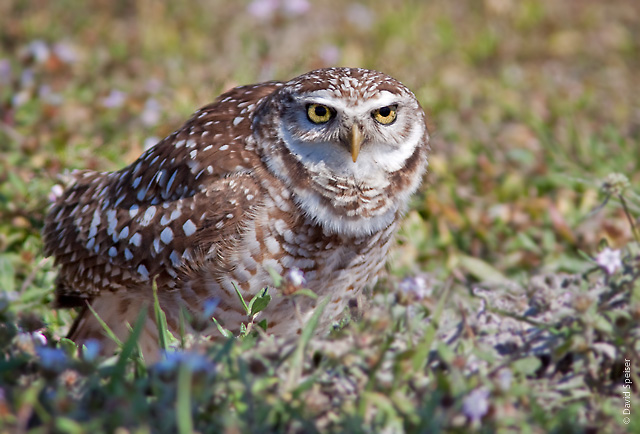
<point>166,213</point>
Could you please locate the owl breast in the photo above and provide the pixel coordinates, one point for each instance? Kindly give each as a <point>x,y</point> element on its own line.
<point>278,238</point>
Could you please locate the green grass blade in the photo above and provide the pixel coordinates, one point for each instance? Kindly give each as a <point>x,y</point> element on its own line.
<point>244,303</point>
<point>161,319</point>
<point>105,327</point>
<point>424,346</point>
<point>309,328</point>
<point>226,333</point>
<point>130,345</point>
<point>183,401</point>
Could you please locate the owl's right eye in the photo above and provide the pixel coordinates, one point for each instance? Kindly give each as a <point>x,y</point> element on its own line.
<point>318,113</point>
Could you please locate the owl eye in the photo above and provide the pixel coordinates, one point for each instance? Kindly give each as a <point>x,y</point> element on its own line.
<point>318,113</point>
<point>385,115</point>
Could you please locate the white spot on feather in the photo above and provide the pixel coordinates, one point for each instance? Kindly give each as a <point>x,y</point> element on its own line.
<point>142,270</point>
<point>112,221</point>
<point>173,177</point>
<point>175,258</point>
<point>189,228</point>
<point>166,235</point>
<point>135,239</point>
<point>148,216</point>
<point>133,211</point>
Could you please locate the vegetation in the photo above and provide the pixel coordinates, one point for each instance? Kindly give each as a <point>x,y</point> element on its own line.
<point>512,300</point>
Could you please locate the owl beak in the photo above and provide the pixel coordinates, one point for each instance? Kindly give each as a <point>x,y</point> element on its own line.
<point>356,140</point>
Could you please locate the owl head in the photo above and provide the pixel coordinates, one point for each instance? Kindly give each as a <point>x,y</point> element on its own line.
<point>351,144</point>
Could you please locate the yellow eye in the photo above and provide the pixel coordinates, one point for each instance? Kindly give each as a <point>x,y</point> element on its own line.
<point>385,115</point>
<point>318,113</point>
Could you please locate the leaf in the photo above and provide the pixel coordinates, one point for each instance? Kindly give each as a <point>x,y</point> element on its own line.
<point>306,293</point>
<point>68,346</point>
<point>67,425</point>
<point>527,366</point>
<point>601,324</point>
<point>260,301</point>
<point>7,275</point>
<point>277,278</point>
<point>445,352</point>
<point>223,331</point>
<point>482,271</point>
<point>244,304</point>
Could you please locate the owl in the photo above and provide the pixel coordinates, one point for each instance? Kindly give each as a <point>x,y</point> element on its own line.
<point>309,176</point>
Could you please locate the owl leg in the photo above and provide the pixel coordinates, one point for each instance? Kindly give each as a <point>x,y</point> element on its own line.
<point>118,312</point>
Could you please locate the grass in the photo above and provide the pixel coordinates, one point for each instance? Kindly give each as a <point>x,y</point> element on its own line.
<point>494,315</point>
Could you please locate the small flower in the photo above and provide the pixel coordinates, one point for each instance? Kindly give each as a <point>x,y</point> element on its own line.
<point>20,98</point>
<point>151,114</point>
<point>66,52</point>
<point>209,307</point>
<point>416,287</point>
<point>24,342</point>
<point>115,99</point>
<point>27,78</point>
<point>91,350</point>
<point>615,184</point>
<point>39,50</point>
<point>330,54</point>
<point>610,260</point>
<point>295,7</point>
<point>53,359</point>
<point>504,377</point>
<point>195,362</point>
<point>360,16</point>
<point>476,404</point>
<point>5,71</point>
<point>263,9</point>
<point>55,193</point>
<point>47,95</point>
<point>295,277</point>
<point>39,338</point>
<point>293,281</point>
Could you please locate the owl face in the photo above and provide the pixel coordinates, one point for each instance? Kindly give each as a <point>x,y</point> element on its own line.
<point>358,136</point>
<point>354,138</point>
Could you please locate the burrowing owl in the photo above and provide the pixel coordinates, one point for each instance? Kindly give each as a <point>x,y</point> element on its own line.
<point>312,174</point>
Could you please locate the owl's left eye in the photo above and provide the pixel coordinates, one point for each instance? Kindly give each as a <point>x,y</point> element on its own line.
<point>318,113</point>
<point>385,115</point>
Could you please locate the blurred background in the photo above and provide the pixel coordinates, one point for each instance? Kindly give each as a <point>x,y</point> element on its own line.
<point>531,105</point>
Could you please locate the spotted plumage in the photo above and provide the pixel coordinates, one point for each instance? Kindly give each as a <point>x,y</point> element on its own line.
<point>312,175</point>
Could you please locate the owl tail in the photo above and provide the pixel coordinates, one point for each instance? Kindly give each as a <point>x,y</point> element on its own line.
<point>119,314</point>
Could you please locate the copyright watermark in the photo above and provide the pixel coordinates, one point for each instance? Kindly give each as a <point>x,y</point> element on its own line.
<point>626,392</point>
